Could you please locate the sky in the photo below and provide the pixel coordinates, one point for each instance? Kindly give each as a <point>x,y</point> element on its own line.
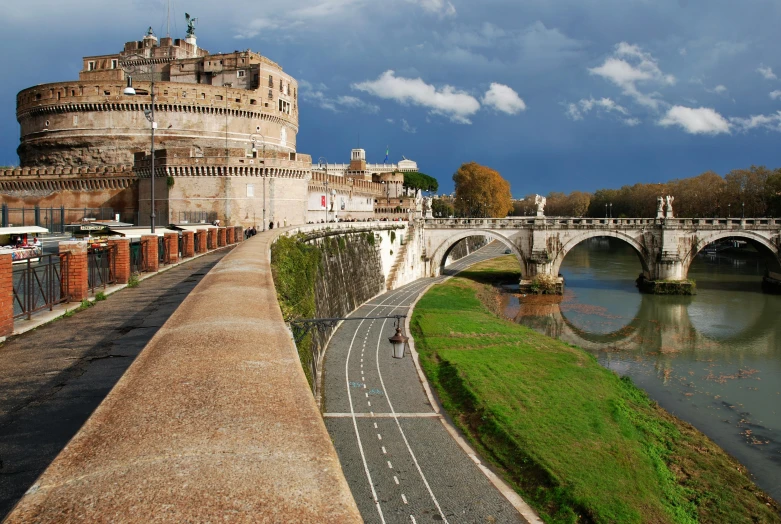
<point>555,95</point>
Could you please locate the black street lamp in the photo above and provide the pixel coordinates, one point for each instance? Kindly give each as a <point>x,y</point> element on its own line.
<point>743,210</point>
<point>150,116</point>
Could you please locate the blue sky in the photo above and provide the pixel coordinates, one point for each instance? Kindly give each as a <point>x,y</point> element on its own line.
<point>556,95</point>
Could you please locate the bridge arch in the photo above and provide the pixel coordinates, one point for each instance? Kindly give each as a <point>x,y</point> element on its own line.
<point>752,237</point>
<point>441,252</point>
<point>641,251</point>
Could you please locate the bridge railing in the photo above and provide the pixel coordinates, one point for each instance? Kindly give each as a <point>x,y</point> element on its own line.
<point>572,222</point>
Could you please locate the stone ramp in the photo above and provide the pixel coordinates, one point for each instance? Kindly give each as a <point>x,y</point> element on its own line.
<point>213,421</point>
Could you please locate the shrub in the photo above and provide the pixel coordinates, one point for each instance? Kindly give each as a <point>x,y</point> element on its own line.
<point>133,281</point>
<point>99,296</point>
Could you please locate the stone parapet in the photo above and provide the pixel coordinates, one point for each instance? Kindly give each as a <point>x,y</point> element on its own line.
<point>194,434</point>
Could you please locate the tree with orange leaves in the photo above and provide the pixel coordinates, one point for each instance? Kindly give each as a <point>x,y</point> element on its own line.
<point>481,192</point>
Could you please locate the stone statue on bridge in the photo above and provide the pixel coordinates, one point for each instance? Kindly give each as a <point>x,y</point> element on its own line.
<point>670,206</point>
<point>540,201</point>
<point>659,207</point>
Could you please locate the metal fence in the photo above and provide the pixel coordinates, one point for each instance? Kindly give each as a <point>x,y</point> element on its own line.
<point>101,267</point>
<point>162,251</point>
<point>40,284</point>
<point>197,217</point>
<point>137,261</point>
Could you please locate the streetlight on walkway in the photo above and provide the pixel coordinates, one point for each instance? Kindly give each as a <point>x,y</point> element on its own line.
<point>263,179</point>
<point>150,116</point>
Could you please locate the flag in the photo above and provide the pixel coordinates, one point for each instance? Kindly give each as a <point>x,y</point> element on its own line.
<point>387,152</point>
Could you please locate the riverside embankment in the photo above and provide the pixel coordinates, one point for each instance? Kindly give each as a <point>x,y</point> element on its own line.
<point>577,441</point>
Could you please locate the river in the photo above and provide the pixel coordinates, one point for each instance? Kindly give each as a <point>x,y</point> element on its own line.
<point>713,360</point>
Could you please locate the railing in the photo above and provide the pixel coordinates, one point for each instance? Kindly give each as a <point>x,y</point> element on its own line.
<point>101,267</point>
<point>56,218</point>
<point>162,250</point>
<point>568,222</point>
<point>197,217</point>
<point>40,285</point>
<point>137,261</point>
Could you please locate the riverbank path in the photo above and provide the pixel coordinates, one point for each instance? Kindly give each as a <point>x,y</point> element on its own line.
<point>53,378</point>
<point>398,454</point>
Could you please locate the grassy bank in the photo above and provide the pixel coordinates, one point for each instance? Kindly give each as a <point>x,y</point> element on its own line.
<point>578,442</point>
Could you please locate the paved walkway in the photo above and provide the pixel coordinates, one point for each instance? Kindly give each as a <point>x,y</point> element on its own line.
<point>396,450</point>
<point>52,378</point>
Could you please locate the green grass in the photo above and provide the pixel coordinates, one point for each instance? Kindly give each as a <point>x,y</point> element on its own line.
<point>578,442</point>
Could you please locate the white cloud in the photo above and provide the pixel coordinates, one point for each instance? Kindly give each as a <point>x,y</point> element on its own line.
<point>316,96</point>
<point>719,90</point>
<point>775,95</point>
<point>629,66</point>
<point>586,105</point>
<point>356,103</point>
<point>390,120</point>
<point>504,99</point>
<point>632,122</point>
<point>771,122</point>
<point>408,128</point>
<point>682,51</point>
<point>703,120</point>
<point>438,7</point>
<point>448,101</point>
<point>767,72</point>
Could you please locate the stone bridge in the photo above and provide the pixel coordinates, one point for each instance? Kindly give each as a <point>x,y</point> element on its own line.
<point>666,247</point>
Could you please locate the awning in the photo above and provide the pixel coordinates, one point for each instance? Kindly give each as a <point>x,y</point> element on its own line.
<point>20,230</point>
<point>137,233</point>
<point>194,227</point>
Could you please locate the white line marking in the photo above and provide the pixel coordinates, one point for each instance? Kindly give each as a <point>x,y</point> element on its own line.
<point>403,498</point>
<point>396,479</point>
<point>413,520</point>
<point>398,424</point>
<point>383,451</point>
<point>390,465</point>
<point>375,425</point>
<point>370,404</point>
<point>379,436</point>
<point>384,415</point>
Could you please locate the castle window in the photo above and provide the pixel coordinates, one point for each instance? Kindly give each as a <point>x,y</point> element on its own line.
<point>90,65</point>
<point>270,81</point>
<point>270,94</point>
<point>241,73</point>
<point>218,97</point>
<point>280,85</point>
<point>107,93</point>
<point>114,63</point>
<point>73,92</point>
<point>75,120</point>
<point>250,190</point>
<point>37,96</point>
<point>203,95</point>
<point>252,101</point>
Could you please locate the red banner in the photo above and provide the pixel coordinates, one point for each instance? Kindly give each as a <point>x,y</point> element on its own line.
<point>322,201</point>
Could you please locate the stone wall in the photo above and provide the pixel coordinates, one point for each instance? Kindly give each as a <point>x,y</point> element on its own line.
<point>465,247</point>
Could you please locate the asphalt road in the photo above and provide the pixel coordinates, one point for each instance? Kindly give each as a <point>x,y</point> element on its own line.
<point>52,378</point>
<point>401,463</point>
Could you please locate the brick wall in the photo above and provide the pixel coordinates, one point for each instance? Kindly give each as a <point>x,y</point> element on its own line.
<point>121,254</point>
<point>229,235</point>
<point>77,269</point>
<point>6,296</point>
<point>221,240</point>
<point>200,241</point>
<point>212,240</point>
<point>188,244</point>
<point>171,247</point>
<point>149,249</point>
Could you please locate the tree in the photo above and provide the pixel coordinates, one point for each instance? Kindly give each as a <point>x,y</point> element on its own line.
<point>481,191</point>
<point>442,208</point>
<point>416,180</point>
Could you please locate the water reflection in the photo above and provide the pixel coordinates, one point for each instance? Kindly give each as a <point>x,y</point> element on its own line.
<point>713,360</point>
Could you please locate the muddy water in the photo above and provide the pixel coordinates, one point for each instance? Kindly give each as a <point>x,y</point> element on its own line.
<point>713,360</point>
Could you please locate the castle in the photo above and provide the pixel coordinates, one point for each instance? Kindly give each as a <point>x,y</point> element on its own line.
<point>224,135</point>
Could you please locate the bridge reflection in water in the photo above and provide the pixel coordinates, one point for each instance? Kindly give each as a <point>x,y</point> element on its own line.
<point>713,360</point>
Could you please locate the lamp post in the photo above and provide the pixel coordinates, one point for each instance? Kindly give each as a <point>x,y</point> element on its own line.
<point>319,163</point>
<point>263,178</point>
<point>301,326</point>
<point>611,210</point>
<point>150,116</point>
<point>743,210</point>
<point>605,210</point>
<point>333,202</point>
<point>729,214</point>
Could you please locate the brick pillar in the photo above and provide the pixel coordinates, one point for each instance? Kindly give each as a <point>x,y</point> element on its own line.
<point>171,247</point>
<point>77,269</point>
<point>150,254</point>
<point>229,233</point>
<point>200,240</point>
<point>121,254</point>
<point>221,240</point>
<point>188,244</point>
<point>6,296</point>
<point>212,243</point>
